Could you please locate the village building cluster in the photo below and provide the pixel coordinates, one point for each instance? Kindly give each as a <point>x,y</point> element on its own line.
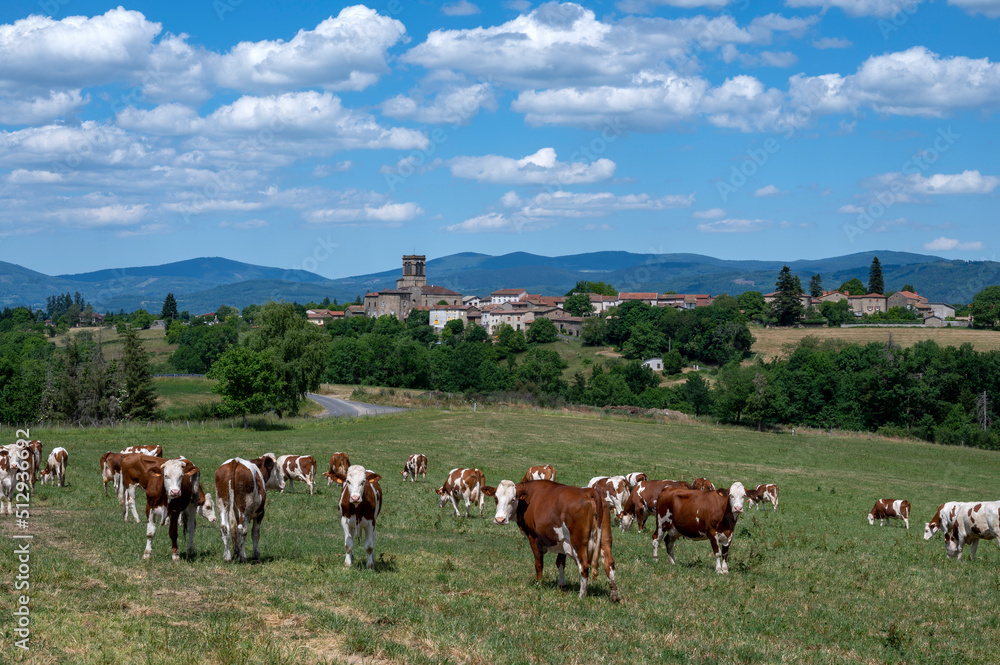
<point>518,308</point>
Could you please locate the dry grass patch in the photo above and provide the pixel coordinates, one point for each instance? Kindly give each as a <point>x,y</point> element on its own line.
<point>775,342</point>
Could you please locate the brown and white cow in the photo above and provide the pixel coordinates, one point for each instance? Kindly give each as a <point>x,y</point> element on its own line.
<point>147,449</point>
<point>8,471</point>
<point>703,484</point>
<point>974,521</point>
<point>886,508</point>
<point>464,484</point>
<point>298,467</point>
<point>55,468</point>
<point>339,463</point>
<point>360,504</point>
<point>762,493</point>
<point>35,447</point>
<point>240,490</point>
<point>172,489</point>
<point>634,479</point>
<point>942,520</point>
<point>571,521</point>
<point>415,464</point>
<point>111,468</point>
<point>22,460</point>
<point>641,501</point>
<point>699,515</point>
<point>543,472</point>
<point>614,491</point>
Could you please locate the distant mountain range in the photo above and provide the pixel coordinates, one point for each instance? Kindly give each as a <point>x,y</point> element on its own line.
<point>201,285</point>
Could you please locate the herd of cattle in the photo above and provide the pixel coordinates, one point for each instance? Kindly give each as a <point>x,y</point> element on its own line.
<point>571,521</point>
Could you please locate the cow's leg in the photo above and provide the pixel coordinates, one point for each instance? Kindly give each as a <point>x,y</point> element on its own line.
<point>713,538</point>
<point>240,535</point>
<point>657,535</point>
<point>482,500</point>
<point>454,504</point>
<point>370,543</point>
<point>224,528</point>
<point>345,522</point>
<point>668,540</point>
<point>151,519</point>
<point>972,549</point>
<point>288,486</point>
<point>539,553</point>
<point>312,483</point>
<point>561,567</point>
<point>724,539</point>
<point>132,501</point>
<point>906,521</point>
<point>175,518</point>
<point>255,535</point>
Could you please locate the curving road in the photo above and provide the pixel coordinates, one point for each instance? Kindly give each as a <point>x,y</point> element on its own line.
<point>342,408</point>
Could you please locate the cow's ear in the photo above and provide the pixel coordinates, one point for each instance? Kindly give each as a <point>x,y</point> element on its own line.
<point>338,477</point>
<point>489,491</point>
<point>522,492</point>
<point>373,477</point>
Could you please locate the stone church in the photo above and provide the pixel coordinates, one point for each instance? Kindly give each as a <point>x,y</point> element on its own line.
<point>412,290</point>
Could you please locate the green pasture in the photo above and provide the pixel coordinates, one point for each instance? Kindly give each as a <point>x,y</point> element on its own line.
<point>810,583</point>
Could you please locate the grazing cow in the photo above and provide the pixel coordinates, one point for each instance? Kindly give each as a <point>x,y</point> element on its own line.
<point>613,490</point>
<point>699,514</point>
<point>942,520</point>
<point>762,493</point>
<point>543,472</point>
<point>298,467</point>
<point>572,521</point>
<point>415,464</point>
<point>339,463</point>
<point>8,471</point>
<point>465,484</point>
<point>172,490</point>
<point>974,521</point>
<point>360,504</point>
<point>275,480</point>
<point>886,508</point>
<point>703,484</point>
<point>56,467</point>
<point>641,501</point>
<point>240,491</point>
<point>149,449</point>
<point>634,479</point>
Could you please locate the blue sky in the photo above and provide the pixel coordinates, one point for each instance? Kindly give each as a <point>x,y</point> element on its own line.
<point>335,138</point>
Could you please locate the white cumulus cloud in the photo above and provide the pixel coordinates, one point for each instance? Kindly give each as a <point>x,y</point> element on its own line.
<point>943,244</point>
<point>540,168</point>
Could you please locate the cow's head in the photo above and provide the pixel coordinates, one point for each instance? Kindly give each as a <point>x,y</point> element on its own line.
<point>206,508</point>
<point>737,495</point>
<point>46,474</point>
<point>273,478</point>
<point>871,519</point>
<point>175,472</point>
<point>932,527</point>
<point>507,495</point>
<point>354,482</point>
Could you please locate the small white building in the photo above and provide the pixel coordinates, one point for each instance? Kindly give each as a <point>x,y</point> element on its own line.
<point>655,364</point>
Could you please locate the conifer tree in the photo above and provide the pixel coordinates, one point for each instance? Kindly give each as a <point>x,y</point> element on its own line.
<point>138,399</point>
<point>875,282</point>
<point>787,305</point>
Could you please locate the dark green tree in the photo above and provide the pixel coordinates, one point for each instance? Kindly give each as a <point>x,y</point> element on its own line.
<point>542,331</point>
<point>578,304</point>
<point>600,288</point>
<point>246,381</point>
<point>138,398</point>
<point>853,287</point>
<point>985,307</point>
<point>510,340</point>
<point>908,287</point>
<point>754,306</point>
<point>875,282</point>
<point>697,393</point>
<point>787,305</point>
<point>836,312</point>
<point>592,331</point>
<point>816,286</point>
<point>645,342</point>
<point>169,311</point>
<point>673,362</point>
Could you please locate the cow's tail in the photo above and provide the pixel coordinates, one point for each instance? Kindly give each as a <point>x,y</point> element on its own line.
<point>609,561</point>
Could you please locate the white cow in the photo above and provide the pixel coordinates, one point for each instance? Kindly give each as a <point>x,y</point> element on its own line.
<point>465,484</point>
<point>298,467</point>
<point>974,521</point>
<point>56,467</point>
<point>614,490</point>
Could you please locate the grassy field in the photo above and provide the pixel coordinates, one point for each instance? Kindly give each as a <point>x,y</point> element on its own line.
<point>772,342</point>
<point>810,583</point>
<point>179,396</point>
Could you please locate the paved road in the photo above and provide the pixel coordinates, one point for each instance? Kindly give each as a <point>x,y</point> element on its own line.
<point>342,408</point>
